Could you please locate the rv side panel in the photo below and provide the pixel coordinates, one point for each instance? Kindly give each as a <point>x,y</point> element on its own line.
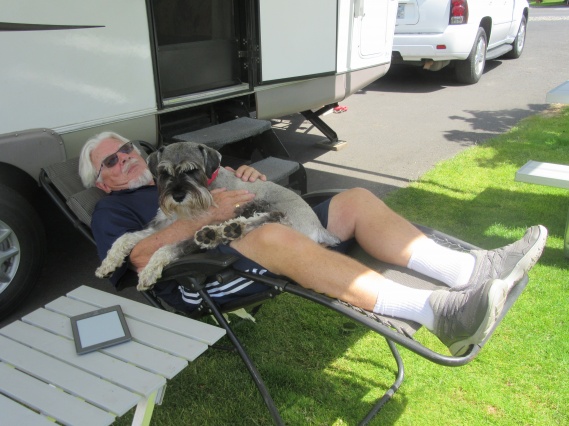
<point>69,65</point>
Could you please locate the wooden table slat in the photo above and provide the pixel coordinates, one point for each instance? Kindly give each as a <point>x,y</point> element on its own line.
<point>116,371</point>
<point>77,382</point>
<point>14,413</point>
<point>46,399</point>
<point>150,359</point>
<point>142,332</point>
<point>206,333</point>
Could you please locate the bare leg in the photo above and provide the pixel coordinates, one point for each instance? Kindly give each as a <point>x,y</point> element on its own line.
<point>287,252</point>
<point>359,214</point>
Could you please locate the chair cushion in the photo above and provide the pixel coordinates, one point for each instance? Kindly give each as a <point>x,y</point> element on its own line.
<point>65,177</point>
<point>83,203</point>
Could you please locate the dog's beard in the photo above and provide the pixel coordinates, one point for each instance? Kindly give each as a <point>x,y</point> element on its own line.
<point>196,203</point>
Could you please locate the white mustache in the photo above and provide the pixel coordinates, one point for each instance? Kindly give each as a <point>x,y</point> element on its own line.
<point>128,164</point>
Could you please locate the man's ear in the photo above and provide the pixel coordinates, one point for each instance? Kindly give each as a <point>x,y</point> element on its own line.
<point>153,160</point>
<point>101,185</point>
<point>212,159</point>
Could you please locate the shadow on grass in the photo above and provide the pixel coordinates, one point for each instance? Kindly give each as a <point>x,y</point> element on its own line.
<point>470,220</point>
<point>316,371</point>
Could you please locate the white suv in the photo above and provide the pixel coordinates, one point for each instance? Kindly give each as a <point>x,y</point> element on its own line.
<point>465,33</point>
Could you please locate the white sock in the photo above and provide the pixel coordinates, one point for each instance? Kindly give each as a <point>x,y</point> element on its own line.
<point>396,300</point>
<point>451,267</point>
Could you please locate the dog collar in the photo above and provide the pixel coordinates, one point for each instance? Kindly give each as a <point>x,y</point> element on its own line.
<point>213,176</point>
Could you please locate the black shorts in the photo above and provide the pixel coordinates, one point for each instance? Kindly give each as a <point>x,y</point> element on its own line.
<point>187,300</point>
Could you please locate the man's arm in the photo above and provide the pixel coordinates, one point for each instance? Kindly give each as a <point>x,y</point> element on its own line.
<point>224,209</point>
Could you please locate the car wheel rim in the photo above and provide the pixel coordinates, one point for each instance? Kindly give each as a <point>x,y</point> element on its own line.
<point>480,56</point>
<point>9,255</point>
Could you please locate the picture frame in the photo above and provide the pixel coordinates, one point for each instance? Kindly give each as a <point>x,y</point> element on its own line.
<point>99,329</point>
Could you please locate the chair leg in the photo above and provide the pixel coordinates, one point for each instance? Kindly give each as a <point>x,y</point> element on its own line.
<point>255,375</point>
<point>391,391</point>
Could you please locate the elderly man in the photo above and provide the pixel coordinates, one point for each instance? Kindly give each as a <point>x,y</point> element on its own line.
<point>462,315</point>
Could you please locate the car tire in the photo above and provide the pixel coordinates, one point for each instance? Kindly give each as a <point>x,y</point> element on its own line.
<point>22,249</point>
<point>470,70</point>
<point>519,41</point>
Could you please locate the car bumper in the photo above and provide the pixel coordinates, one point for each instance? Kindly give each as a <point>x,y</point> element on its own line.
<point>456,39</point>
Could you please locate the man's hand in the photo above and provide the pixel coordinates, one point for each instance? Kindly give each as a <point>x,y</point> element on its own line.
<point>247,173</point>
<point>226,202</point>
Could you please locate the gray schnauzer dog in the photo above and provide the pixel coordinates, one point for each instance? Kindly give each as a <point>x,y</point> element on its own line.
<point>185,173</point>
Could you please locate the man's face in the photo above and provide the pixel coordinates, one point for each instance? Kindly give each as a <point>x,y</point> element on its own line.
<point>128,171</point>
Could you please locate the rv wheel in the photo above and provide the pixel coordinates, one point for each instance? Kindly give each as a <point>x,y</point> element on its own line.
<point>22,249</point>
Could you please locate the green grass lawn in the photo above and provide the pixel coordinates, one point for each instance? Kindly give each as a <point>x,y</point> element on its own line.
<point>548,3</point>
<point>321,373</point>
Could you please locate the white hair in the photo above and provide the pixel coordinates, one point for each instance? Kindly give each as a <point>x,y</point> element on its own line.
<point>87,170</point>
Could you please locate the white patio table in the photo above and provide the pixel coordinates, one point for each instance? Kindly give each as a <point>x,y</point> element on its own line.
<point>42,379</point>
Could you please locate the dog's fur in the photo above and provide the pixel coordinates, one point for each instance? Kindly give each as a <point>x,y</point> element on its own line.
<point>182,171</point>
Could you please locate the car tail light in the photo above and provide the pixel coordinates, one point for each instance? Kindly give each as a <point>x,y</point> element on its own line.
<point>458,12</point>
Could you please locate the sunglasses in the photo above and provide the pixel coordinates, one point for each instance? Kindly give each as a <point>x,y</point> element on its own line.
<point>113,159</point>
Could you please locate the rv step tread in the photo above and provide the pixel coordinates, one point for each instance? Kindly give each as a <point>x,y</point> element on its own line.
<point>225,133</point>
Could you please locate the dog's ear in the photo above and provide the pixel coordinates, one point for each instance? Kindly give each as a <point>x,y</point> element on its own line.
<point>211,159</point>
<point>153,160</point>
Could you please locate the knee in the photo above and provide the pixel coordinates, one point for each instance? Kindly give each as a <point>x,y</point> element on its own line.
<point>272,235</point>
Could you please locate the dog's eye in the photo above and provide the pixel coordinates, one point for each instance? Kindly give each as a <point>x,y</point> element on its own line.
<point>194,173</point>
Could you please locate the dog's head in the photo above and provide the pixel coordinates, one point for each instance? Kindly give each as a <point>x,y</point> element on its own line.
<point>182,171</point>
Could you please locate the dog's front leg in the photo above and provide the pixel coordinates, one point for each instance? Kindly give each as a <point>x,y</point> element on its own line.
<point>119,251</point>
<point>210,236</point>
<point>160,259</point>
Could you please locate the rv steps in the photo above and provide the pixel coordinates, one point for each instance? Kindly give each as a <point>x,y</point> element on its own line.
<point>276,168</point>
<point>225,133</point>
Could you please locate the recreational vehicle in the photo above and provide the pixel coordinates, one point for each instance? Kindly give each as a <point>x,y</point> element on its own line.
<point>152,69</point>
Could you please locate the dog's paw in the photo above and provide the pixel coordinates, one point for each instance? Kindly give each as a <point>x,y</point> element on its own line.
<point>147,278</point>
<point>143,287</point>
<point>104,271</point>
<point>208,237</point>
<point>232,231</point>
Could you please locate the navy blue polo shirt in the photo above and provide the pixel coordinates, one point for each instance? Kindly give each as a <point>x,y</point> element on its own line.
<point>129,210</point>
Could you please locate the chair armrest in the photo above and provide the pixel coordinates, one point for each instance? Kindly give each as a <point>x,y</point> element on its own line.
<point>316,197</point>
<point>199,264</point>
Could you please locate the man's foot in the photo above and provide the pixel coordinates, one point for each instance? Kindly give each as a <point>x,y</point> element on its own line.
<point>510,262</point>
<point>465,317</point>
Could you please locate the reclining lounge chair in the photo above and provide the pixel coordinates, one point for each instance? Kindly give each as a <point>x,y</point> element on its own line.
<point>62,183</point>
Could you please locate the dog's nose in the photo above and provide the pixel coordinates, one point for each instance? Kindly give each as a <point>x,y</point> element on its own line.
<point>178,196</point>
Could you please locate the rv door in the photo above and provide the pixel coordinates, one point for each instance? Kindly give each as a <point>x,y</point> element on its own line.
<point>301,39</point>
<point>372,33</point>
<point>297,38</point>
